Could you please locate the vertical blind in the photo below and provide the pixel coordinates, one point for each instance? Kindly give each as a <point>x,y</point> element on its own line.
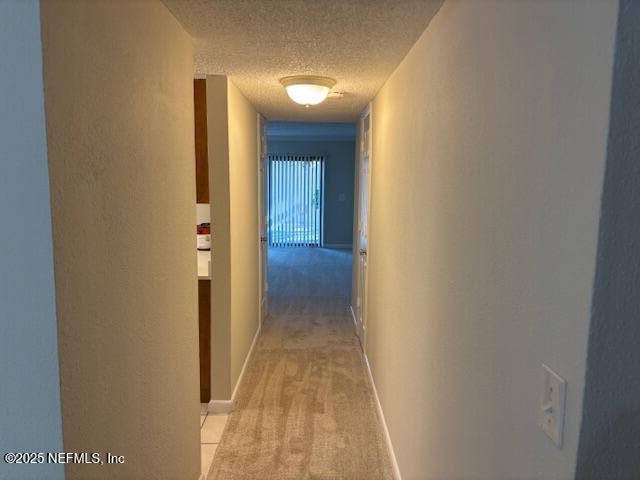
<point>295,200</point>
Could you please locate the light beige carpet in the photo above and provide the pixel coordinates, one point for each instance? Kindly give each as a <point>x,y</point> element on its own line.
<point>305,408</point>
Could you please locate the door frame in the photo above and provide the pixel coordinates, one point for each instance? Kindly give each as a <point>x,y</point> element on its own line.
<point>360,277</point>
<point>263,218</point>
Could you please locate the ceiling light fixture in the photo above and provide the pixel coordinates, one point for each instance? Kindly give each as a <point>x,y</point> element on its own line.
<point>307,90</point>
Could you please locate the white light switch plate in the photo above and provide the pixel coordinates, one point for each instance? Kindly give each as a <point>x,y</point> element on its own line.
<point>552,404</point>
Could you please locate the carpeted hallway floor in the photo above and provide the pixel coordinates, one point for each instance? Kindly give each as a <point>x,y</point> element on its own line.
<point>305,408</point>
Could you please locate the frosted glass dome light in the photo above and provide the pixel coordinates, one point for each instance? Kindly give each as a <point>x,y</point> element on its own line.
<point>307,90</point>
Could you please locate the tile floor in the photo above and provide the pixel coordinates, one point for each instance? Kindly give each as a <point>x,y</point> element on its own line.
<point>211,427</point>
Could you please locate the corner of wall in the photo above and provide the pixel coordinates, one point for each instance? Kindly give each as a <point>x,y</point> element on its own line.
<point>218,153</point>
<point>119,115</point>
<point>232,129</point>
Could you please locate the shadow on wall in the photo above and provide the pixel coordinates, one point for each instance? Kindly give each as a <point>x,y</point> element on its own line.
<point>606,453</point>
<point>610,431</point>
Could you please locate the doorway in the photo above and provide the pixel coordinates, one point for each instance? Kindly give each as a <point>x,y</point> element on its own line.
<point>296,197</point>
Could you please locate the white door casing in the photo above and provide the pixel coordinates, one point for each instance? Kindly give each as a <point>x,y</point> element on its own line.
<point>263,215</point>
<point>364,184</point>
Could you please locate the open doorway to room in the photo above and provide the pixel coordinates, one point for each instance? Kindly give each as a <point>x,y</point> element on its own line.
<point>311,184</point>
<point>310,219</point>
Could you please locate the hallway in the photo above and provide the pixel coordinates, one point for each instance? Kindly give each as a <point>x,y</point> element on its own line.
<point>170,169</point>
<point>305,408</point>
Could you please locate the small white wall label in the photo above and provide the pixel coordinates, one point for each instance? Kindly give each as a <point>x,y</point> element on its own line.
<point>552,405</point>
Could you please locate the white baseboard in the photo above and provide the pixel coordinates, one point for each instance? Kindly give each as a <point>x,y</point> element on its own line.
<point>337,245</point>
<point>353,317</point>
<point>246,361</point>
<point>385,430</point>
<point>226,406</point>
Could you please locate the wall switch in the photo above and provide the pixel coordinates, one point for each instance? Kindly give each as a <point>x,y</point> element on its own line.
<point>554,389</point>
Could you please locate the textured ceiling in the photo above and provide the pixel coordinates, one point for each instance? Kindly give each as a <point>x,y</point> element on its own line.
<point>257,42</point>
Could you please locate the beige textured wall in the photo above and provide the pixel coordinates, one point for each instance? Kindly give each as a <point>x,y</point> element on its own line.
<point>488,157</point>
<point>243,187</point>
<point>119,111</point>
<point>233,173</point>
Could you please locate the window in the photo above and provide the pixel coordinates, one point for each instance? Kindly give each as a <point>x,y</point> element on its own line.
<point>295,200</point>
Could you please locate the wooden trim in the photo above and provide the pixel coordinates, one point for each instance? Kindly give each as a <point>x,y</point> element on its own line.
<point>201,140</point>
<point>204,329</point>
